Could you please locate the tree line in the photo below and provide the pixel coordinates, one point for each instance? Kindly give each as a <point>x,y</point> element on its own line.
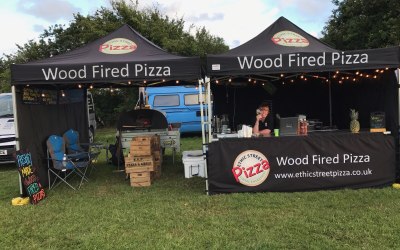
<point>353,24</point>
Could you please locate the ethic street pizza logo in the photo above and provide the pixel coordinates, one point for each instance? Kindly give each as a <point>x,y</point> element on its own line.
<point>118,46</point>
<point>251,168</point>
<point>290,38</point>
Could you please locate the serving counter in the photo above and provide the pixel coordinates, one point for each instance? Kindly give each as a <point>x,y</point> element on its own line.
<point>298,163</point>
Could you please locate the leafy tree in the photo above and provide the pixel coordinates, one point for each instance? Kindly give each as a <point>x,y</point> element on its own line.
<point>165,32</point>
<point>363,24</point>
<point>4,76</point>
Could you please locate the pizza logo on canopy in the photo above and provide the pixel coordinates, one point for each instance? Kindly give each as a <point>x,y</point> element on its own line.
<point>118,46</point>
<point>251,168</point>
<point>290,38</point>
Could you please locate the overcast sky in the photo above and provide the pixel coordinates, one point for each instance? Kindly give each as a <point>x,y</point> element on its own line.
<point>236,21</point>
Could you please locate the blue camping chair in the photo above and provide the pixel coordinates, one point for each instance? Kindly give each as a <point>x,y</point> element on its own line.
<point>63,166</point>
<point>86,151</point>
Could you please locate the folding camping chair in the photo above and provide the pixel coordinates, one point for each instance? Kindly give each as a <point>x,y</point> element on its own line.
<point>64,166</point>
<point>88,151</point>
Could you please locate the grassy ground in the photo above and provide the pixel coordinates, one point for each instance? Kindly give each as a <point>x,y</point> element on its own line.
<point>175,213</point>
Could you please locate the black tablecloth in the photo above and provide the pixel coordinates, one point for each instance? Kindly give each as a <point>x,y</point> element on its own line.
<point>298,163</point>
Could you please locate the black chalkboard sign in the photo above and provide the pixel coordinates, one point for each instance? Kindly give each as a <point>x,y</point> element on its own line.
<point>29,176</point>
<point>32,95</point>
<point>377,120</point>
<point>39,96</point>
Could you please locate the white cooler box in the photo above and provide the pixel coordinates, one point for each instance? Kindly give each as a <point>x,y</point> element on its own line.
<point>194,163</point>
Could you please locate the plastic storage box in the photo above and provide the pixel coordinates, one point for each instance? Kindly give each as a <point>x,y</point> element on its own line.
<point>194,163</point>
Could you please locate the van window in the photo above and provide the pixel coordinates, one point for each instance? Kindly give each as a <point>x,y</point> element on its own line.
<point>166,100</point>
<point>6,105</point>
<point>192,99</point>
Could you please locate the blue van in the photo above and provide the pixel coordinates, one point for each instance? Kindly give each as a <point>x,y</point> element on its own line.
<point>180,104</point>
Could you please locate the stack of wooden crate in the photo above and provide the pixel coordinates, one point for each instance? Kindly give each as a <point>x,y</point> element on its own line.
<point>157,156</point>
<point>143,163</point>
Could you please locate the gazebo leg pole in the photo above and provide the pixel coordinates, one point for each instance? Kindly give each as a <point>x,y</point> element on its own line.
<point>17,146</point>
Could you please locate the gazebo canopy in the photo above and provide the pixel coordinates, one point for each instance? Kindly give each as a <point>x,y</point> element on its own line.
<point>121,56</point>
<point>285,48</point>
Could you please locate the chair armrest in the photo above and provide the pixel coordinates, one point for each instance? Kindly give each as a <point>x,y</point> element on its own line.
<point>93,147</point>
<point>52,159</point>
<point>78,156</point>
<point>65,164</point>
<point>93,144</point>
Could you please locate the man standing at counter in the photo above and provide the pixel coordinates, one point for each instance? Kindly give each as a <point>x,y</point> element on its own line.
<point>263,123</point>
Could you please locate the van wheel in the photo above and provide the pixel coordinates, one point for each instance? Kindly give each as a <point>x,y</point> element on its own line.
<point>91,135</point>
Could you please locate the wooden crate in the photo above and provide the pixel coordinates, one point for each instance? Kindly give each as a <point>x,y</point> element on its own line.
<point>141,148</point>
<point>140,175</point>
<point>157,155</point>
<point>140,164</point>
<point>140,179</point>
<point>142,158</point>
<point>140,152</point>
<point>141,184</point>
<point>155,142</point>
<point>157,163</point>
<point>141,140</point>
<point>156,174</point>
<point>146,162</point>
<point>129,170</point>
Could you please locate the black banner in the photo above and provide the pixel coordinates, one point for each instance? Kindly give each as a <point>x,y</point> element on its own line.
<point>299,163</point>
<point>302,62</point>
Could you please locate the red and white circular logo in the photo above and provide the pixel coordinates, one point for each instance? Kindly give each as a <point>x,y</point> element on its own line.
<point>251,168</point>
<point>118,46</point>
<point>290,38</point>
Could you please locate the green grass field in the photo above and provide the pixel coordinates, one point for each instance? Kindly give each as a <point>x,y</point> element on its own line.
<point>175,213</point>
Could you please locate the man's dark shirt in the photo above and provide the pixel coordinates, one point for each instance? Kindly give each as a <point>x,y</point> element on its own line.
<point>266,124</point>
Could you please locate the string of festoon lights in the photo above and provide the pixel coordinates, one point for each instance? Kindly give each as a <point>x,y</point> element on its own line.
<point>114,87</point>
<point>334,77</point>
<point>338,77</point>
<point>143,83</point>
